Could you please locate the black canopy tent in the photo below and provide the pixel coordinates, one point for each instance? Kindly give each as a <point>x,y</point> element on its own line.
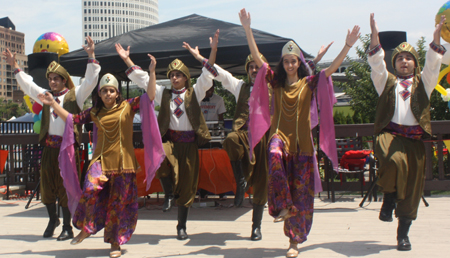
<point>164,41</point>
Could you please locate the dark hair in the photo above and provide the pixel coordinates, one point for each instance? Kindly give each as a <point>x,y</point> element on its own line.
<point>280,75</point>
<point>98,102</point>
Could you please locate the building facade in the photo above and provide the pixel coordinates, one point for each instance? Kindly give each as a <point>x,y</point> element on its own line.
<point>15,42</point>
<point>106,19</point>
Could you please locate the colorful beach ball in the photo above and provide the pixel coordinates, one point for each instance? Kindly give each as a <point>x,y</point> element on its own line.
<point>51,42</point>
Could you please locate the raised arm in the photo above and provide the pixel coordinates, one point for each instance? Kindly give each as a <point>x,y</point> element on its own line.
<point>151,89</point>
<point>213,42</point>
<point>124,54</point>
<point>374,40</point>
<point>351,39</point>
<point>437,31</point>
<point>47,99</point>
<point>90,48</point>
<point>246,21</point>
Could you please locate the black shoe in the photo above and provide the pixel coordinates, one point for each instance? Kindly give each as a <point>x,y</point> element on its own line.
<point>241,184</point>
<point>50,230</point>
<point>66,234</point>
<point>168,203</point>
<point>257,215</point>
<point>388,207</point>
<point>403,244</point>
<point>53,220</point>
<point>181,234</point>
<point>256,234</point>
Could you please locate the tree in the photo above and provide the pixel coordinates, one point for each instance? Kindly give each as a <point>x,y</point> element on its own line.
<point>359,85</point>
<point>364,97</point>
<point>9,109</point>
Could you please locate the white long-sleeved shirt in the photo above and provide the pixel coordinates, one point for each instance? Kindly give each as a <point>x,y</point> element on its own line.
<point>204,82</point>
<point>82,92</point>
<point>403,114</point>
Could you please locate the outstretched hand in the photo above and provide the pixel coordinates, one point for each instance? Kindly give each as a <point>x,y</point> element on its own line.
<point>152,65</point>
<point>124,54</point>
<point>214,41</point>
<point>90,48</point>
<point>9,57</point>
<point>245,18</point>
<point>352,36</point>
<point>373,25</point>
<point>194,51</point>
<point>323,50</point>
<point>46,98</point>
<point>437,31</point>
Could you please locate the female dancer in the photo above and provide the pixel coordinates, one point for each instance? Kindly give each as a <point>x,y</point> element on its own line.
<point>109,198</point>
<point>292,177</point>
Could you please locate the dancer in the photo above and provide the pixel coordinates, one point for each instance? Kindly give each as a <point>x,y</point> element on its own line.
<point>293,176</point>
<point>52,128</point>
<point>109,198</point>
<point>402,120</point>
<point>246,172</point>
<point>182,128</point>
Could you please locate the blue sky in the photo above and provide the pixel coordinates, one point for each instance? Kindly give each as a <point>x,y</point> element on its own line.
<point>310,23</point>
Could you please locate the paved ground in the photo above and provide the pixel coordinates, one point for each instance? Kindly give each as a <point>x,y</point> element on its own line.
<point>340,229</point>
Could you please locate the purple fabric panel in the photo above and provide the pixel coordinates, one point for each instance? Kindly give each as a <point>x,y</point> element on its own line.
<point>259,113</point>
<point>68,166</point>
<point>151,137</point>
<point>326,100</point>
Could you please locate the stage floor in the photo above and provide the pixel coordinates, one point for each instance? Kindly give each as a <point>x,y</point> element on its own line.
<point>340,229</point>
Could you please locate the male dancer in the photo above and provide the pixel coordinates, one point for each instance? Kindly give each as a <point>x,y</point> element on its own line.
<point>72,98</point>
<point>247,172</point>
<point>182,128</point>
<point>402,120</point>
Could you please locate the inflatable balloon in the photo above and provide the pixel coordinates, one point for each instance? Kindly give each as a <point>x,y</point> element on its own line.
<point>36,118</point>
<point>36,108</point>
<point>40,115</point>
<point>444,10</point>
<point>37,127</point>
<point>28,102</point>
<point>51,42</point>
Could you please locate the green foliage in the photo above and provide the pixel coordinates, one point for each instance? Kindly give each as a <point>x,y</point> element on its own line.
<point>9,109</point>
<point>359,85</point>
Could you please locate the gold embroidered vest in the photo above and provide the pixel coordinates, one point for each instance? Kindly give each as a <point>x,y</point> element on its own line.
<point>70,104</point>
<point>193,111</point>
<point>420,104</point>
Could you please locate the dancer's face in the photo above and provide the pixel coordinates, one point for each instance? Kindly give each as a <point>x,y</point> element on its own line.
<point>178,80</point>
<point>109,96</point>
<point>404,64</point>
<point>252,71</point>
<point>56,82</point>
<point>291,64</point>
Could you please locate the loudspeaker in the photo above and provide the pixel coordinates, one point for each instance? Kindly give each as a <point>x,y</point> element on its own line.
<point>389,40</point>
<point>37,67</point>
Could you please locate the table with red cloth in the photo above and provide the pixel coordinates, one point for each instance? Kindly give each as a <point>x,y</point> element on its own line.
<point>215,176</point>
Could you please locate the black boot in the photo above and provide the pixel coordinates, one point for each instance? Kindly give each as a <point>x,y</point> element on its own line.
<point>182,218</point>
<point>241,184</point>
<point>53,220</point>
<point>167,185</point>
<point>257,217</point>
<point>403,243</point>
<point>388,207</point>
<point>67,232</point>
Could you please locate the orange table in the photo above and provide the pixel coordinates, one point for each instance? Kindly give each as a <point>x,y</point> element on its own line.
<point>215,176</point>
